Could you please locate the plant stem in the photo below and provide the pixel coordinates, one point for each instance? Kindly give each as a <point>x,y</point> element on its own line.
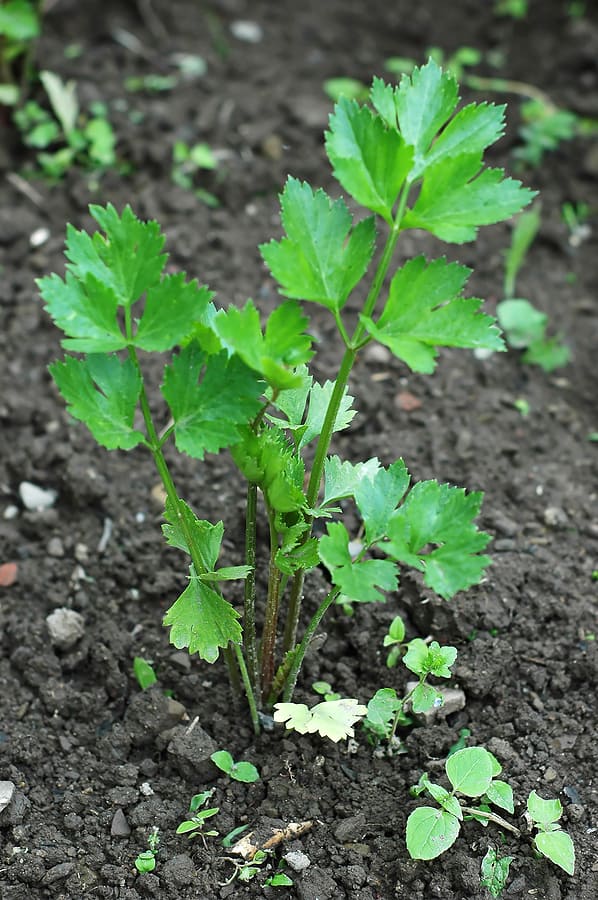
<point>304,645</point>
<point>271,616</point>
<point>249,604</point>
<point>508,86</point>
<point>249,691</point>
<point>492,817</point>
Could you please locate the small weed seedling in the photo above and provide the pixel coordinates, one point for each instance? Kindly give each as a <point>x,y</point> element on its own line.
<point>239,771</point>
<point>415,162</point>
<point>325,690</point>
<point>19,29</point>
<point>187,162</point>
<point>394,639</point>
<point>146,861</point>
<point>494,872</point>
<point>472,773</point>
<point>144,673</point>
<point>523,324</point>
<point>195,825</point>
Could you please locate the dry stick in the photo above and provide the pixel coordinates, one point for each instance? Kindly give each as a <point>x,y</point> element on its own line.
<point>492,817</point>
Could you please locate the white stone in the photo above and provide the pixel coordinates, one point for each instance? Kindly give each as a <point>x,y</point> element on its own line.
<point>39,237</point>
<point>7,791</point>
<point>247,31</point>
<point>297,860</point>
<point>35,497</point>
<point>66,627</point>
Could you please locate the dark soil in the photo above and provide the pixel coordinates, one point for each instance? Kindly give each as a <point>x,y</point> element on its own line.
<point>77,737</point>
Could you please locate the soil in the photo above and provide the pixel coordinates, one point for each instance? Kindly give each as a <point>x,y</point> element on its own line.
<point>90,755</point>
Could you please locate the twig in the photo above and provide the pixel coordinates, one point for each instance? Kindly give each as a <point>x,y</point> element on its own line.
<point>23,187</point>
<point>492,817</point>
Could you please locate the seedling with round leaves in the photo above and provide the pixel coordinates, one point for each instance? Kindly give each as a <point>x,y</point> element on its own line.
<point>239,771</point>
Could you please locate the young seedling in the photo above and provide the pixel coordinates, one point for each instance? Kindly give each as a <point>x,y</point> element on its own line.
<point>394,639</point>
<point>144,673</point>
<point>146,861</point>
<point>187,161</point>
<point>195,825</point>
<point>415,162</point>
<point>494,872</point>
<point>239,771</point>
<point>325,690</point>
<point>19,29</point>
<point>472,773</point>
<point>523,324</point>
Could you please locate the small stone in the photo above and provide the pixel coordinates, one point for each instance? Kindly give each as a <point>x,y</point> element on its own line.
<point>407,401</point>
<point>245,30</point>
<point>454,700</point>
<point>39,237</point>
<point>297,860</point>
<point>35,497</point>
<point>158,495</point>
<point>120,827</point>
<point>377,354</point>
<point>81,553</point>
<point>149,713</point>
<point>7,791</point>
<point>550,774</point>
<point>11,512</point>
<point>571,793</point>
<point>350,829</point>
<point>66,627</point>
<point>575,812</point>
<point>555,517</point>
<point>146,789</point>
<point>55,547</point>
<point>8,574</point>
<point>57,873</point>
<point>181,660</point>
<point>272,147</point>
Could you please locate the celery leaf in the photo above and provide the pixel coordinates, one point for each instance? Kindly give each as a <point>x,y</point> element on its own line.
<point>202,620</point>
<point>172,308</point>
<point>358,581</point>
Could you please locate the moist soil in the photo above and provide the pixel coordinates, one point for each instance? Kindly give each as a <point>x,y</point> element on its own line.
<point>93,759</point>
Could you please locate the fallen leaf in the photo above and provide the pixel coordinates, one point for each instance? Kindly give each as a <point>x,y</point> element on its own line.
<point>8,574</point>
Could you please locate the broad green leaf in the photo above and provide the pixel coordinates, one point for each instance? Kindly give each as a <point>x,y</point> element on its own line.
<point>322,257</point>
<point>273,354</point>
<point>543,811</point>
<point>456,197</point>
<point>425,310</point>
<point>442,515</point>
<point>245,772</point>
<point>501,794</point>
<point>172,308</point>
<point>333,719</point>
<point>495,872</point>
<point>85,310</point>
<point>227,573</point>
<point>304,556</point>
<point>382,709</point>
<point>522,323</point>
<point>129,249</point>
<point>358,581</point>
<point>203,621</point>
<point>222,759</point>
<point>432,659</point>
<point>208,413</point>
<point>102,392</point>
<point>470,771</point>
<point>319,398</point>
<point>341,479</point>
<point>425,697</point>
<point>548,353</point>
<point>471,130</point>
<point>18,21</point>
<point>206,537</point>
<point>558,847</point>
<point>144,673</point>
<point>430,832</point>
<point>448,801</point>
<point>370,160</point>
<point>377,497</point>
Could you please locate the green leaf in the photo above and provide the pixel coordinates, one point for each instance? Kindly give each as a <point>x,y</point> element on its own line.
<point>548,353</point>
<point>425,310</point>
<point>206,537</point>
<point>144,673</point>
<point>227,573</point>
<point>494,872</point>
<point>63,100</point>
<point>457,197</point>
<point>443,515</point>
<point>273,354</point>
<point>558,847</point>
<point>543,812</point>
<point>341,479</point>
<point>172,309</point>
<point>526,228</point>
<point>333,719</point>
<point>128,257</point>
<point>522,323</point>
<point>472,130</point>
<point>245,772</point>
<point>279,880</point>
<point>501,794</point>
<point>396,632</point>
<point>18,21</point>
<point>207,415</point>
<point>319,398</point>
<point>108,409</point>
<point>223,759</point>
<point>424,101</point>
<point>270,461</point>
<point>470,771</point>
<point>424,659</point>
<point>425,697</point>
<point>370,160</point>
<point>358,581</point>
<point>202,620</point>
<point>382,709</point>
<point>85,310</point>
<point>430,832</point>
<point>322,257</point>
<point>444,798</point>
<point>377,497</point>
<point>304,556</point>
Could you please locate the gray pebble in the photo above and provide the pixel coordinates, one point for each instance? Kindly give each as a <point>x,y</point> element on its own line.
<point>66,627</point>
<point>120,826</point>
<point>55,547</point>
<point>297,860</point>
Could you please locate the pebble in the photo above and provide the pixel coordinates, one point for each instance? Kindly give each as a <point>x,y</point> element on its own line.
<point>39,237</point>
<point>555,517</point>
<point>11,512</point>
<point>575,812</point>
<point>119,827</point>
<point>245,30</point>
<point>454,700</point>
<point>81,553</point>
<point>7,790</point>
<point>297,860</point>
<point>377,354</point>
<point>35,497</point>
<point>550,774</point>
<point>66,627</point>
<point>58,872</point>
<point>55,547</point>
<point>350,829</point>
<point>190,748</point>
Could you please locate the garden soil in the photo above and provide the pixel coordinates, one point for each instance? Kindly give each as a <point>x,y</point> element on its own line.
<point>95,763</point>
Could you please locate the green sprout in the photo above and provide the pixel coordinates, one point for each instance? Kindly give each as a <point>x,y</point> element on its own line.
<point>494,872</point>
<point>195,825</point>
<point>20,25</point>
<point>144,673</point>
<point>146,861</point>
<point>325,690</point>
<point>187,161</point>
<point>239,771</point>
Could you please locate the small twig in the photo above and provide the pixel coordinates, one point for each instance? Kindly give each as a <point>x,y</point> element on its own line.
<point>106,535</point>
<point>492,817</point>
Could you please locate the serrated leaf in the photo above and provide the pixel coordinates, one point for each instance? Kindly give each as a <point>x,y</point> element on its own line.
<point>471,130</point>
<point>430,832</point>
<point>456,197</point>
<point>381,711</point>
<point>341,479</point>
<point>425,310</point>
<point>203,621</point>
<point>378,495</point>
<point>292,402</point>
<point>543,811</point>
<point>227,573</point>
<point>102,392</point>
<point>370,160</point>
<point>319,398</point>
<point>424,101</point>
<point>494,872</point>
<point>172,309</point>
<point>358,581</point>
<point>305,557</point>
<point>470,771</point>
<point>206,537</point>
<point>558,847</point>
<point>322,257</point>
<point>85,310</point>
<point>274,354</point>
<point>425,697</point>
<point>208,413</point>
<point>443,515</point>
<point>270,461</point>
<point>501,794</point>
<point>333,719</point>
<point>432,659</point>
